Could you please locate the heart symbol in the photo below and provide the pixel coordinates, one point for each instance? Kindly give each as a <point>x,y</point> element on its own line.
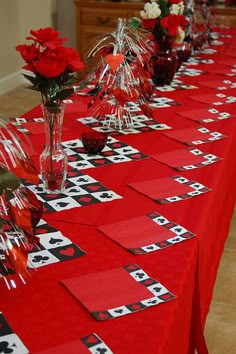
<point>162,244</point>
<point>91,339</point>
<point>69,251</point>
<point>135,307</point>
<point>132,267</point>
<point>165,296</point>
<point>85,199</point>
<point>136,156</point>
<point>114,60</point>
<point>102,315</point>
<point>72,158</point>
<point>116,145</point>
<point>148,281</point>
<point>94,188</point>
<point>107,153</point>
<point>41,231</point>
<point>99,162</point>
<point>71,173</point>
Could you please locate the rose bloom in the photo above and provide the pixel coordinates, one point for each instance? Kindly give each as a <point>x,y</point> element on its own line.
<point>28,52</point>
<point>149,24</point>
<point>171,2</point>
<point>49,68</point>
<point>47,37</point>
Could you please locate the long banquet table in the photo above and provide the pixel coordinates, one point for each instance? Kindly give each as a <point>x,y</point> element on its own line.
<point>45,315</point>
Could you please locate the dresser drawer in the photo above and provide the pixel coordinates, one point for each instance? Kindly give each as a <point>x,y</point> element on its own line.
<point>101,17</point>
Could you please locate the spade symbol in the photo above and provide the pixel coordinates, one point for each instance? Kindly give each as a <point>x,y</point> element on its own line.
<point>62,204</point>
<point>157,290</point>
<point>118,311</point>
<point>81,179</point>
<point>4,348</point>
<point>52,241</point>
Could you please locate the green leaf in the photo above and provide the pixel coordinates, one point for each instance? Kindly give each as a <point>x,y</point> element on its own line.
<point>8,181</point>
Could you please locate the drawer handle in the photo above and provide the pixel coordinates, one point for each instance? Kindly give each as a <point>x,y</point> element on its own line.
<point>103,21</point>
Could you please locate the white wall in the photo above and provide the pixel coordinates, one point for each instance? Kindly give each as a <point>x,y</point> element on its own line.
<point>17,18</point>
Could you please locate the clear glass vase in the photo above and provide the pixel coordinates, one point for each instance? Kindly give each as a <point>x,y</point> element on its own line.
<point>53,160</point>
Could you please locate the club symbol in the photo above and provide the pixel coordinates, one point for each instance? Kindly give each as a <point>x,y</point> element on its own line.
<point>5,349</point>
<point>38,259</point>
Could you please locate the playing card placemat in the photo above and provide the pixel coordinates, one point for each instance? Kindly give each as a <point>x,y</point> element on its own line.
<point>140,124</point>
<point>85,345</point>
<point>117,292</point>
<point>194,136</point>
<point>186,159</point>
<point>220,84</point>
<point>169,189</point>
<point>206,115</point>
<point>175,85</point>
<point>115,151</point>
<point>9,341</point>
<point>217,99</point>
<point>147,233</point>
<point>80,190</point>
<point>52,247</point>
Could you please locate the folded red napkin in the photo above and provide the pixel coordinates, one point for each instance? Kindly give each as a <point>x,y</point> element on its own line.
<point>146,233</point>
<point>226,61</point>
<point>205,115</point>
<point>186,159</point>
<point>216,99</point>
<point>89,344</point>
<point>194,136</point>
<point>220,84</point>
<point>222,70</point>
<point>117,292</point>
<point>169,189</point>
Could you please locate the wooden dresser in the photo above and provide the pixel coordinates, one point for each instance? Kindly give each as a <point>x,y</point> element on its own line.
<point>94,18</point>
<point>224,15</point>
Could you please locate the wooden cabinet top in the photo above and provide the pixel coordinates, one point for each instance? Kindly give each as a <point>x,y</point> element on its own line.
<point>109,4</point>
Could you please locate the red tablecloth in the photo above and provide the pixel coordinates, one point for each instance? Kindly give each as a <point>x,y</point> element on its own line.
<point>45,315</point>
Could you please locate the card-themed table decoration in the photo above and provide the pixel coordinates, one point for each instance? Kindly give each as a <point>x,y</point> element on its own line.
<point>52,247</point>
<point>147,233</point>
<point>117,292</point>
<point>216,99</point>
<point>194,136</point>
<point>9,341</point>
<point>28,126</point>
<point>186,159</point>
<point>205,115</point>
<point>80,190</point>
<point>169,189</point>
<point>85,345</point>
<point>220,84</point>
<point>185,71</point>
<point>175,85</point>
<point>197,60</point>
<point>115,151</point>
<point>141,124</point>
<point>162,102</point>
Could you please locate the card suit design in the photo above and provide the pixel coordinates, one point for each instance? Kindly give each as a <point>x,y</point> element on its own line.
<point>131,276</point>
<point>194,136</point>
<point>141,124</point>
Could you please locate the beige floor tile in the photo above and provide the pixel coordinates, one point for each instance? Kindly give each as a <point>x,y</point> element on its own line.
<point>17,102</point>
<point>225,285</point>
<point>220,329</point>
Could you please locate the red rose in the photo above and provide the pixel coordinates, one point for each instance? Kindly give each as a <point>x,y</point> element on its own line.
<point>171,2</point>
<point>47,37</point>
<point>73,60</point>
<point>49,67</point>
<point>30,67</point>
<point>28,52</point>
<point>149,24</point>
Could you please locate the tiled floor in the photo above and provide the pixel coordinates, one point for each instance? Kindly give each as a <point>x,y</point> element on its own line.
<point>220,329</point>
